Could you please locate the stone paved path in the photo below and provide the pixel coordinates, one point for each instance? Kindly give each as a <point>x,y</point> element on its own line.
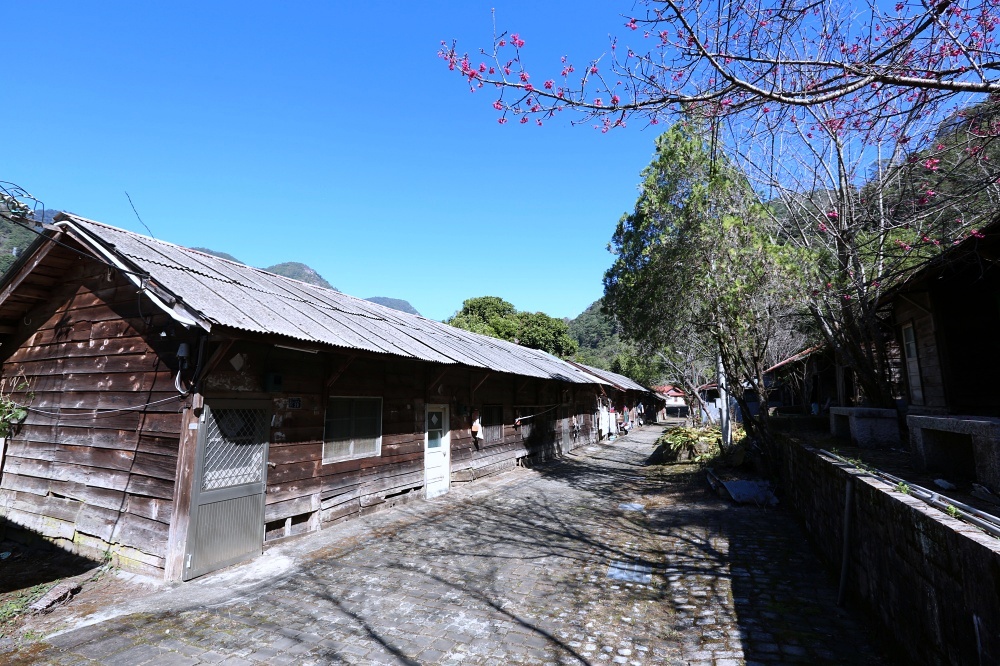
<point>513,570</point>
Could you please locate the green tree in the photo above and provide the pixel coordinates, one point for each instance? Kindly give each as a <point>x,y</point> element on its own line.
<point>487,315</point>
<point>699,270</point>
<point>637,366</point>
<point>14,237</point>
<point>495,317</point>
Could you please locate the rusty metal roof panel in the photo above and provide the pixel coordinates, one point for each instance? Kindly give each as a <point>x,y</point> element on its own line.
<point>613,378</point>
<point>245,298</point>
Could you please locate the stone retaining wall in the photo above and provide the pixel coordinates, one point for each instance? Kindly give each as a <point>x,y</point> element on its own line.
<point>931,581</point>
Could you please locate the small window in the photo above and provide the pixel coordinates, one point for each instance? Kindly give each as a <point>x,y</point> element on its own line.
<point>353,429</point>
<point>492,420</point>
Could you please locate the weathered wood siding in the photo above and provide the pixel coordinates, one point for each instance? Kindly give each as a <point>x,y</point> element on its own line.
<point>100,486</point>
<point>103,484</point>
<point>303,493</point>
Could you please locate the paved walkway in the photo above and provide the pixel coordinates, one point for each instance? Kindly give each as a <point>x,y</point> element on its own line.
<point>514,570</point>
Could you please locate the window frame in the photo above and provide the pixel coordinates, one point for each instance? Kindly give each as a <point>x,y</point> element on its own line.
<point>352,455</point>
<point>914,380</point>
<point>492,432</point>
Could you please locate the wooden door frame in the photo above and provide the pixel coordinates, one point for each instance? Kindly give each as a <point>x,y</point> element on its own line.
<point>445,444</point>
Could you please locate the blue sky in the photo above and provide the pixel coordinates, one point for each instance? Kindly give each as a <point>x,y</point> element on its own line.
<point>326,133</point>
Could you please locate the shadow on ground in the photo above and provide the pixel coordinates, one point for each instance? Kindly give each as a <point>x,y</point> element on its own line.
<point>27,561</point>
<point>520,575</point>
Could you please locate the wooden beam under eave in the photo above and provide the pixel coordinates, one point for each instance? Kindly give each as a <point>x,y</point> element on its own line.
<point>430,387</point>
<point>26,270</point>
<point>335,375</point>
<point>216,357</point>
<point>481,382</point>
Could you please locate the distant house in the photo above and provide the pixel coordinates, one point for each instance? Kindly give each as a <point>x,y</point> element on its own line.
<point>673,400</point>
<point>804,383</point>
<point>185,410</point>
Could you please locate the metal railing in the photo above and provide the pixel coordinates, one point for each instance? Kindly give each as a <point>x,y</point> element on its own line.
<point>984,521</point>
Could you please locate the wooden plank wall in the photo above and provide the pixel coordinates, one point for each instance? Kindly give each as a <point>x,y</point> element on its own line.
<point>304,494</point>
<point>101,487</point>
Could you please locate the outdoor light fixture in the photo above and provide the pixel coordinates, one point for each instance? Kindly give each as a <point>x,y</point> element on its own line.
<point>183,352</point>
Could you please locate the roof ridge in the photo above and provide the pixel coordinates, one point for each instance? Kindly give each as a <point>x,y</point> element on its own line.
<point>239,264</point>
<point>250,299</point>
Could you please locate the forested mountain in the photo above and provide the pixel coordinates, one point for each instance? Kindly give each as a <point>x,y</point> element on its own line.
<point>597,336</point>
<point>214,253</point>
<point>394,303</point>
<point>299,271</point>
<point>602,347</point>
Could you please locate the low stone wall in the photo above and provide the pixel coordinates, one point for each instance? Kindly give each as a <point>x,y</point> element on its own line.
<point>931,581</point>
<point>867,427</point>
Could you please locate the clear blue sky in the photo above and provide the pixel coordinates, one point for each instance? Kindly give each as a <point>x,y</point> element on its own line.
<point>326,133</point>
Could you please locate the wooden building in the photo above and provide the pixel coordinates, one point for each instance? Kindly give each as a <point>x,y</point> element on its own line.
<point>184,410</point>
<point>625,396</point>
<point>947,323</point>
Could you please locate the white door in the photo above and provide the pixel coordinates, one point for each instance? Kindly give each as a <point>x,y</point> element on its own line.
<point>437,451</point>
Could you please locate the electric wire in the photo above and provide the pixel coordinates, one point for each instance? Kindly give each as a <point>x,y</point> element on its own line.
<point>97,413</point>
<point>137,215</point>
<point>82,253</point>
<point>530,416</point>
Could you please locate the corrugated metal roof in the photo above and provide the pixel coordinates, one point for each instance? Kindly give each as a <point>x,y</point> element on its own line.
<point>229,294</point>
<point>614,378</point>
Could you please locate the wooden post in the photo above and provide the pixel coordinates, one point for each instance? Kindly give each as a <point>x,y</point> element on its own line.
<point>183,486</point>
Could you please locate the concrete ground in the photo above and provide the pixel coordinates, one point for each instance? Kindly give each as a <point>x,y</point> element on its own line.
<point>595,559</point>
